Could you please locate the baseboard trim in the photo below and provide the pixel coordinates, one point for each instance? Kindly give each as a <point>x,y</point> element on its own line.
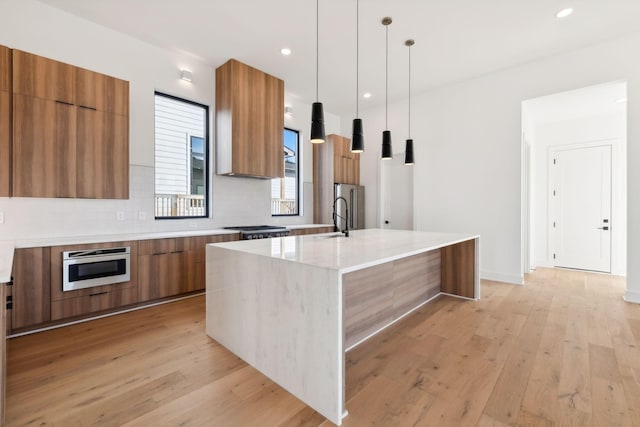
<point>500,277</point>
<point>632,297</point>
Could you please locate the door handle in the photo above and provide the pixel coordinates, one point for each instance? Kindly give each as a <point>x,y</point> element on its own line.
<point>603,228</point>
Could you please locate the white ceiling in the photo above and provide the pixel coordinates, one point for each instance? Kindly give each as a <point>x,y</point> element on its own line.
<point>592,101</point>
<point>455,39</point>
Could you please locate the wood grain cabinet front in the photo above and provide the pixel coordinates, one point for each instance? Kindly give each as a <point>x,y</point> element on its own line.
<point>31,288</point>
<point>70,131</point>
<point>5,121</point>
<point>249,122</point>
<point>169,267</point>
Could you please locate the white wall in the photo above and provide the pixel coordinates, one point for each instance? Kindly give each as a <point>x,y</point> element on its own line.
<point>467,140</point>
<point>610,129</point>
<point>34,27</point>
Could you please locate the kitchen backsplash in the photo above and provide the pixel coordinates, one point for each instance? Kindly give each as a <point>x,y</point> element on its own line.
<point>236,201</point>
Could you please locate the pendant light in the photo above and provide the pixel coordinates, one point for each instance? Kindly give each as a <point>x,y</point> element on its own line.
<point>387,151</point>
<point>408,149</point>
<point>357,137</point>
<point>317,113</point>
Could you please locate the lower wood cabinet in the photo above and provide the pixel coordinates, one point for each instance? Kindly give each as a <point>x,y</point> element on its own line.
<point>168,267</point>
<point>65,304</point>
<point>31,289</point>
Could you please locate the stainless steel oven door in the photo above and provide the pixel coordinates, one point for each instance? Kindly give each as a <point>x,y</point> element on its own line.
<point>86,269</point>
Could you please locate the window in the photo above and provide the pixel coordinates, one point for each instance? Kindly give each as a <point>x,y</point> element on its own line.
<point>285,191</point>
<point>181,158</point>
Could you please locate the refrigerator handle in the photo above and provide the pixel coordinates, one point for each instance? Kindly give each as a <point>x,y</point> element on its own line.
<point>352,205</point>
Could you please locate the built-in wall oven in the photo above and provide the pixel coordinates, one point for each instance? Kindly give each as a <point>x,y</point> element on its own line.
<point>95,267</point>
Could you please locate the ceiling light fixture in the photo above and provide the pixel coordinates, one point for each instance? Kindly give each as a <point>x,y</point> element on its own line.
<point>366,95</point>
<point>387,150</point>
<point>317,113</point>
<point>285,51</point>
<point>408,150</point>
<point>621,100</point>
<point>357,137</point>
<point>186,75</point>
<point>564,12</point>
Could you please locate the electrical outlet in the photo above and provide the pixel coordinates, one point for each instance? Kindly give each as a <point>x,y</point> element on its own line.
<point>120,215</point>
<point>1,217</point>
<point>192,225</point>
<point>142,215</point>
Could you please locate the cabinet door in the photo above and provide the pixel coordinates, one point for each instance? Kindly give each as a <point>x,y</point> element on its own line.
<point>102,155</point>
<point>31,298</point>
<point>102,92</point>
<point>273,117</point>
<point>5,68</point>
<point>43,78</point>
<point>5,143</point>
<point>160,275</point>
<point>43,148</point>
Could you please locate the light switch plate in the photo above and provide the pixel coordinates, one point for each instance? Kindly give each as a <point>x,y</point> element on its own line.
<point>142,215</point>
<point>1,217</point>
<point>120,215</point>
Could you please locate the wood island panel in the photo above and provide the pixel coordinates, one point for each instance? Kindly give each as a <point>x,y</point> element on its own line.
<point>374,297</point>
<point>459,269</point>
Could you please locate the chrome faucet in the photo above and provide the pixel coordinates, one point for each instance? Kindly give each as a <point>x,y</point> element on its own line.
<point>345,217</point>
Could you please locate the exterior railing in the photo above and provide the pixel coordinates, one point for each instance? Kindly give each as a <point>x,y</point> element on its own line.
<point>283,207</point>
<point>179,205</point>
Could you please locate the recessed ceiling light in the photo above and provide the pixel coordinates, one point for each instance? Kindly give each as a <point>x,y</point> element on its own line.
<point>621,100</point>
<point>285,51</point>
<point>564,12</point>
<point>366,95</point>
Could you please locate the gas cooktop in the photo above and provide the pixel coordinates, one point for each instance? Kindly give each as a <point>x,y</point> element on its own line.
<point>249,232</point>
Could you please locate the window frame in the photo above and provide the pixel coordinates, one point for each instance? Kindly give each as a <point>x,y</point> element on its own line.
<point>207,155</point>
<point>298,177</point>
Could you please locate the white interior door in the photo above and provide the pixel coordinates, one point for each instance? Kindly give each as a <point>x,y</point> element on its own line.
<point>397,191</point>
<point>582,199</point>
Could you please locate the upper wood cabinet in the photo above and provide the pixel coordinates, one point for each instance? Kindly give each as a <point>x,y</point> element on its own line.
<point>333,162</point>
<point>5,121</point>
<point>249,122</point>
<point>70,131</point>
<point>43,78</point>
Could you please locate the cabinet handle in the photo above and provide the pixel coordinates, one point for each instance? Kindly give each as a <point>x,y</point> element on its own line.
<point>63,102</point>
<point>9,302</point>
<point>99,293</point>
<point>87,108</point>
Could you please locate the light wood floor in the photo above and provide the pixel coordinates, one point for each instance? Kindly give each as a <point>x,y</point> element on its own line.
<point>562,350</point>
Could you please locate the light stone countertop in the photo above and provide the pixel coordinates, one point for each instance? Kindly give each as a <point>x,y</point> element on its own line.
<point>6,261</point>
<point>101,238</point>
<point>362,249</point>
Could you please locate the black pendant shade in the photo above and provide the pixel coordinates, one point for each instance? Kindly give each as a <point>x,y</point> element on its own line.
<point>357,137</point>
<point>408,153</point>
<point>317,123</point>
<point>387,152</point>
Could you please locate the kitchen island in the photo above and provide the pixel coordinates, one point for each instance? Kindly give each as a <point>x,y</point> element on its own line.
<point>292,306</point>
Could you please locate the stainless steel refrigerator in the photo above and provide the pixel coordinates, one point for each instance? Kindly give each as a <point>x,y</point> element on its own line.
<point>354,195</point>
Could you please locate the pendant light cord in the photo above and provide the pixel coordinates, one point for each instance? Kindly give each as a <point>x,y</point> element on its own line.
<point>409,91</point>
<point>386,82</point>
<point>317,45</point>
<point>357,57</point>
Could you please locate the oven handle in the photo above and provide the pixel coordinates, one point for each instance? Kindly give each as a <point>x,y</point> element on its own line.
<point>98,258</point>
